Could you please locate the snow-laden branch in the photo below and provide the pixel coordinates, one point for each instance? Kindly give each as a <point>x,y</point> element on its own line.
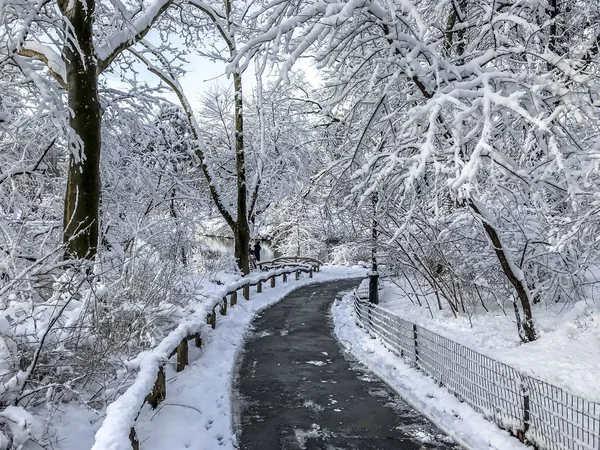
<point>218,20</point>
<point>275,33</point>
<point>134,32</point>
<point>561,64</point>
<point>31,15</point>
<point>48,56</point>
<point>20,169</point>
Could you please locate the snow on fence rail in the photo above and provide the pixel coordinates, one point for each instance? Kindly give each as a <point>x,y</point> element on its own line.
<point>117,431</point>
<point>537,412</point>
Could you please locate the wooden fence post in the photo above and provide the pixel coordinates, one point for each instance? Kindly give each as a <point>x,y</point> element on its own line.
<point>159,391</point>
<point>246,292</point>
<point>211,319</point>
<point>310,273</point>
<point>259,287</point>
<point>233,299</point>
<point>198,340</point>
<point>135,444</point>
<point>285,277</point>
<point>273,281</point>
<point>182,355</point>
<point>223,307</point>
<point>297,274</point>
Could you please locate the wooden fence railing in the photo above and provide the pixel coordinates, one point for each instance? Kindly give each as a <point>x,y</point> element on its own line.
<point>150,384</point>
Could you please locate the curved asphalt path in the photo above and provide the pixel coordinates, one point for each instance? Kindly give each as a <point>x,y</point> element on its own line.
<point>296,389</point>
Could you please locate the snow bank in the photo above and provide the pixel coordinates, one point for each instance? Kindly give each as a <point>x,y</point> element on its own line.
<point>121,414</point>
<point>567,353</point>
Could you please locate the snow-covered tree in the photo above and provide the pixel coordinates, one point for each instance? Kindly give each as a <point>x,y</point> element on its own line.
<point>77,42</point>
<point>479,106</point>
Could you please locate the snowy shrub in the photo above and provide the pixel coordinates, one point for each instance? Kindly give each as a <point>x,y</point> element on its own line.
<point>68,326</point>
<point>22,425</point>
<point>349,254</point>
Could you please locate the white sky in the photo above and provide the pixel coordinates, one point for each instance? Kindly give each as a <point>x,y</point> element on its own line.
<point>204,73</point>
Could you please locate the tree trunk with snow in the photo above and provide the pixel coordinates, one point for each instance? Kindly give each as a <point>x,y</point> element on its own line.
<point>82,199</point>
<point>241,231</point>
<point>242,228</point>
<point>514,274</point>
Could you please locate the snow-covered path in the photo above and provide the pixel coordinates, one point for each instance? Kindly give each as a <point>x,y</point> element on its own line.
<point>297,389</point>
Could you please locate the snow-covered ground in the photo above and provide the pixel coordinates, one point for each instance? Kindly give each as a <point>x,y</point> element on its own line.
<point>567,353</point>
<point>197,412</point>
<point>457,419</point>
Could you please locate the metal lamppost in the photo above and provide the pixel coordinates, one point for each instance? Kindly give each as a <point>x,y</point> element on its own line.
<point>373,274</point>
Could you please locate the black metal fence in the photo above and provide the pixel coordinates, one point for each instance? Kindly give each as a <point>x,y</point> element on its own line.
<point>537,412</point>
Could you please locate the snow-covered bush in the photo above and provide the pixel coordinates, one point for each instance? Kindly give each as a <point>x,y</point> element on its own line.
<point>349,253</point>
<point>68,326</point>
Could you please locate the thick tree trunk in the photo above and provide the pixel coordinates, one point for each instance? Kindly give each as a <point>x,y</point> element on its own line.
<point>82,199</point>
<point>241,231</point>
<point>242,249</point>
<point>242,228</point>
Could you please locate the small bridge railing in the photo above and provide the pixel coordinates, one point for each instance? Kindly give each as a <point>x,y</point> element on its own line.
<point>118,428</point>
<point>537,412</point>
<point>284,261</point>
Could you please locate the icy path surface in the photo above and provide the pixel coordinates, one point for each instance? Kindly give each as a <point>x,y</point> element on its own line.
<point>297,389</point>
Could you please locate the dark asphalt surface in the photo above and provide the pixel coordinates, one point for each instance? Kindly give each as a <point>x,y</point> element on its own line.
<point>297,389</point>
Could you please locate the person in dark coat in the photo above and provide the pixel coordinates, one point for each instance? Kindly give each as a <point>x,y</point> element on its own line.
<point>257,248</point>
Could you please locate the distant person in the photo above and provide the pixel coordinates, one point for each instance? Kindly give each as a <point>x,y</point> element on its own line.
<point>251,259</point>
<point>257,250</point>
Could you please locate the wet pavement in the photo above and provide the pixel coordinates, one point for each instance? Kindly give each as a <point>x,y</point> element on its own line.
<point>297,389</point>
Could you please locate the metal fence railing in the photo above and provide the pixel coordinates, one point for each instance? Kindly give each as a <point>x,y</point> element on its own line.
<point>536,412</point>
